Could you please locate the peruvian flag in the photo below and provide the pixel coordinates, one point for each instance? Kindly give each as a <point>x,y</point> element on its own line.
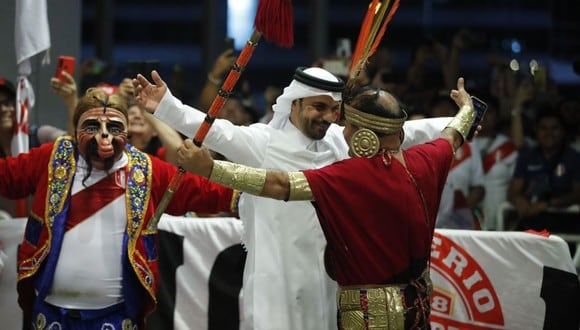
<point>32,36</point>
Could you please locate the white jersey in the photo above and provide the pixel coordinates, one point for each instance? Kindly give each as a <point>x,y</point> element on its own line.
<point>466,172</point>
<point>499,162</point>
<point>89,269</point>
<point>285,283</point>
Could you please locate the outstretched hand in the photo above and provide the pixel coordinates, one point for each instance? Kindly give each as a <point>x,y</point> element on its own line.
<point>194,159</point>
<point>463,98</point>
<point>147,95</point>
<point>66,90</point>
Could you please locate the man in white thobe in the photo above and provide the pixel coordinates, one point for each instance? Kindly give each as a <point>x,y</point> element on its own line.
<point>285,285</point>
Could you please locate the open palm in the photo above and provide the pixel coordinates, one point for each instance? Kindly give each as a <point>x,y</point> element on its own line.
<point>148,95</point>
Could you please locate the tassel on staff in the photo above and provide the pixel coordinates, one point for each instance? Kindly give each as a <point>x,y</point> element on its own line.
<point>274,20</point>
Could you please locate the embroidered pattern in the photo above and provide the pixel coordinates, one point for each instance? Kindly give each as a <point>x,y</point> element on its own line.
<point>59,178</point>
<point>137,190</point>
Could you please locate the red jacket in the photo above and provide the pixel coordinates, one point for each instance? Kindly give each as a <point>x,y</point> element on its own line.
<point>48,171</point>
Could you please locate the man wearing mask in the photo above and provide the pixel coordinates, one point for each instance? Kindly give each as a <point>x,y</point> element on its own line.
<point>88,260</point>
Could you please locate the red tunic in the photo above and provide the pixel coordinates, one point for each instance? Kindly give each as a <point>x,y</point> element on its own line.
<point>373,216</point>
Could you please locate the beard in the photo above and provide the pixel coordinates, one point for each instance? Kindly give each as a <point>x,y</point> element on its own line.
<point>316,130</point>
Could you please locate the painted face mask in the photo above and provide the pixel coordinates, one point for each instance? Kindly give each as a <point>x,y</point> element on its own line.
<point>101,136</point>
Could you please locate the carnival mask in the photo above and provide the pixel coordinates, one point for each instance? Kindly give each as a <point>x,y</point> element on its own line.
<point>101,136</point>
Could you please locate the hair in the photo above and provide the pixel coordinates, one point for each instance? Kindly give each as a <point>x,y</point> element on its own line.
<point>97,98</point>
<point>366,98</point>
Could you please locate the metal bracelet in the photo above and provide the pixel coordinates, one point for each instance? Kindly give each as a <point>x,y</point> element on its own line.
<point>299,187</point>
<point>240,177</point>
<point>462,121</point>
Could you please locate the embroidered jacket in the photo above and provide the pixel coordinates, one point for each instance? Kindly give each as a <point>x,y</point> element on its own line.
<point>48,171</point>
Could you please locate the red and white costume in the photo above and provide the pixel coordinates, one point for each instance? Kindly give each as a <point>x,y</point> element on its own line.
<point>466,172</point>
<point>65,248</point>
<point>499,156</point>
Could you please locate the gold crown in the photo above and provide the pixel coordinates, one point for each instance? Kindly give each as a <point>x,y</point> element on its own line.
<point>374,123</point>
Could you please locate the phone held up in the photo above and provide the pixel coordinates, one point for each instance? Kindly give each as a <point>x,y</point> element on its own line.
<point>229,43</point>
<point>480,108</point>
<point>65,63</point>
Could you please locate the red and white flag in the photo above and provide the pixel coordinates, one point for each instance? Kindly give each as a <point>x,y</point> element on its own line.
<point>32,36</point>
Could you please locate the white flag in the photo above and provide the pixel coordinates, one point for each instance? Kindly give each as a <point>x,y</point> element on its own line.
<point>32,36</point>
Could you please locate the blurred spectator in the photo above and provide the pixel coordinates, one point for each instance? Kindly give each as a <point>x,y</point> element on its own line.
<point>498,154</point>
<point>547,176</point>
<point>238,111</point>
<point>569,109</point>
<point>178,84</point>
<point>37,135</point>
<point>140,132</point>
<point>434,66</point>
<point>215,77</point>
<point>523,110</point>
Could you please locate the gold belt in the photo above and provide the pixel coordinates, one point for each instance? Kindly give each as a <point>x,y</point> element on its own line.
<point>371,307</point>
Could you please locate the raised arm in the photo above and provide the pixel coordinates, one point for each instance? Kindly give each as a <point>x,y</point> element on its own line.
<point>457,129</point>
<point>215,78</point>
<point>67,91</point>
<point>240,144</point>
<point>169,137</point>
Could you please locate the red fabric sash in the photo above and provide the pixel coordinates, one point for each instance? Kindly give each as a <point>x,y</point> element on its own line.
<point>463,153</point>
<point>499,153</point>
<point>91,199</point>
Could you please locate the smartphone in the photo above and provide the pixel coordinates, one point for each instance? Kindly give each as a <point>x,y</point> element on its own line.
<point>229,44</point>
<point>65,63</point>
<point>480,108</point>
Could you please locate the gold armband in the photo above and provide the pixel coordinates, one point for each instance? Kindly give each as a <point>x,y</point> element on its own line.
<point>462,121</point>
<point>299,187</point>
<point>240,177</point>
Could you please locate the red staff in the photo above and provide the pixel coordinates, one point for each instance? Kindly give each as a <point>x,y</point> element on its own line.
<point>273,21</point>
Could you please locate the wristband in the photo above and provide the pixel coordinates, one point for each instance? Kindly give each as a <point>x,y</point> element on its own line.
<point>239,177</point>
<point>213,80</point>
<point>462,121</point>
<point>299,187</point>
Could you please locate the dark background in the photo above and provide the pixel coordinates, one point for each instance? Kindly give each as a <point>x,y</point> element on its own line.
<point>189,33</point>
